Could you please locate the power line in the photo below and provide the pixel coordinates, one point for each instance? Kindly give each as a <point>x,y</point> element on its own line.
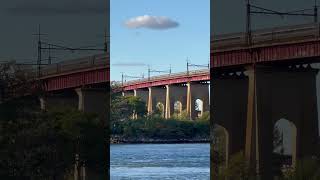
<point>195,65</point>
<point>252,9</point>
<point>124,77</point>
<point>39,60</point>
<point>158,71</point>
<point>46,46</point>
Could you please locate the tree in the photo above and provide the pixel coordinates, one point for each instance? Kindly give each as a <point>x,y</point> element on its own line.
<point>14,81</point>
<point>123,107</point>
<point>136,105</point>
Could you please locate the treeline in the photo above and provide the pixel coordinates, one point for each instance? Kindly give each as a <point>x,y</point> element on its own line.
<point>163,129</point>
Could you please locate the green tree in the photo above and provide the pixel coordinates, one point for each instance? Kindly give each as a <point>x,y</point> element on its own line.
<point>137,105</point>
<point>86,133</point>
<point>123,107</point>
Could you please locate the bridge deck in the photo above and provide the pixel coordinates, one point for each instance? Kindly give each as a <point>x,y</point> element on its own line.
<point>290,43</point>
<point>176,78</point>
<point>76,73</point>
<point>266,37</point>
<point>76,65</point>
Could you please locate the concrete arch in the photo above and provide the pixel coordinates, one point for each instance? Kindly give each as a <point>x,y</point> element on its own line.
<point>199,91</point>
<point>221,141</point>
<point>287,131</point>
<point>198,107</point>
<point>177,106</point>
<point>160,108</point>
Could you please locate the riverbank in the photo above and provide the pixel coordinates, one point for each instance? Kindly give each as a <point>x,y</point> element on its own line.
<point>119,140</point>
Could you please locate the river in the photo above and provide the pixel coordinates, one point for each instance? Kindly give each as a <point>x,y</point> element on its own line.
<point>160,161</point>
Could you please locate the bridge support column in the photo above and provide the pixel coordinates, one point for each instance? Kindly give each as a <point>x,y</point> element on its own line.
<point>199,91</point>
<point>128,93</point>
<point>42,103</point>
<point>81,99</point>
<point>228,110</point>
<point>149,101</point>
<point>189,100</point>
<point>134,115</point>
<point>135,92</point>
<point>275,93</point>
<point>92,100</point>
<point>66,99</point>
<point>178,99</point>
<point>159,100</point>
<point>251,150</point>
<point>142,94</point>
<point>168,105</point>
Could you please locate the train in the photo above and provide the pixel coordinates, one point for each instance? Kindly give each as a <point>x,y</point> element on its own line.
<point>89,62</point>
<point>267,36</point>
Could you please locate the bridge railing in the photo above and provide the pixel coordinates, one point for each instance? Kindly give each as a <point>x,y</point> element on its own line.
<point>75,65</point>
<point>267,36</point>
<point>167,76</point>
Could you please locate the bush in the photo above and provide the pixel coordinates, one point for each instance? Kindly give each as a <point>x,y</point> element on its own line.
<point>158,128</point>
<point>308,168</point>
<point>238,168</point>
<point>42,145</point>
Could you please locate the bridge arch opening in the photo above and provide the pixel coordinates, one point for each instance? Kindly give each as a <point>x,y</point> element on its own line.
<point>177,108</point>
<point>160,109</point>
<point>199,107</point>
<point>221,144</point>
<point>284,143</point>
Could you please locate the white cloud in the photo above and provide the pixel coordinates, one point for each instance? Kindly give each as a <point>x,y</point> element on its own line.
<point>151,22</point>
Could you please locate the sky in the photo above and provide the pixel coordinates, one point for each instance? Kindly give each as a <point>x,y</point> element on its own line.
<point>229,16</point>
<point>72,23</point>
<point>158,34</point>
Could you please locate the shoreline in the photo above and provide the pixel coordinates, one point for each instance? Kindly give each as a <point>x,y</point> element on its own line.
<point>158,141</point>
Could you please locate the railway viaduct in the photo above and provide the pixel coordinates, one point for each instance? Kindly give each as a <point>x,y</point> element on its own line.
<point>80,83</point>
<point>173,93</point>
<point>255,86</point>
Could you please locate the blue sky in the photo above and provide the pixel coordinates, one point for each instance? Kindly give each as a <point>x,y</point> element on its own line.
<point>132,50</point>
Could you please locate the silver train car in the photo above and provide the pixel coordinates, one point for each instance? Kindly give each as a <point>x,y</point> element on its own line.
<point>74,65</point>
<point>267,36</point>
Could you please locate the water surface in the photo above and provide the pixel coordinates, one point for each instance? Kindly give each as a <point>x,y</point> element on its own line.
<point>160,161</point>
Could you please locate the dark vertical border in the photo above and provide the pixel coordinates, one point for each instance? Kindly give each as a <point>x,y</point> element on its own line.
<point>107,138</point>
<point>211,95</point>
